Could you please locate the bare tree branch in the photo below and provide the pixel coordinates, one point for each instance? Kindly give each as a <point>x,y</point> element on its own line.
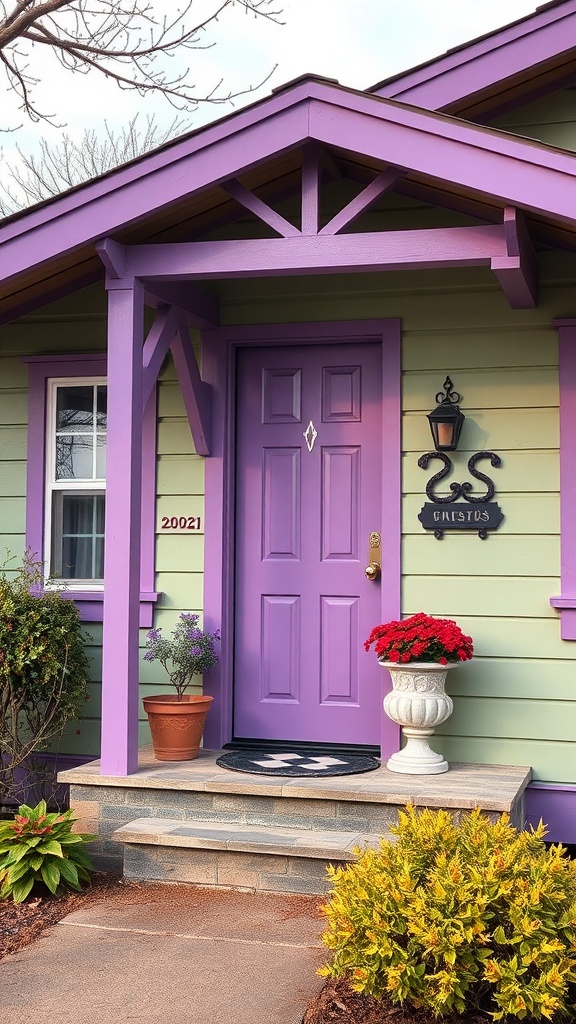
<point>72,161</point>
<point>127,41</point>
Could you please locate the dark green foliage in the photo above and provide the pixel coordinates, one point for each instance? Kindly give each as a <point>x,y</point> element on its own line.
<point>40,847</point>
<point>44,669</point>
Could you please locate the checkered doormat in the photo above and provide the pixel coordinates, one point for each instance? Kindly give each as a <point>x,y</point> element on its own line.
<point>297,765</point>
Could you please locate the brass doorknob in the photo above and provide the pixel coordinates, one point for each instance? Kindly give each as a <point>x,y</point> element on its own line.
<point>372,571</point>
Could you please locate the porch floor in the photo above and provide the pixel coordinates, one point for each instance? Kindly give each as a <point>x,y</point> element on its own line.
<point>491,787</point>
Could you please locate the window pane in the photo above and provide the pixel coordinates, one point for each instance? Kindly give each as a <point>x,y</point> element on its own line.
<point>74,457</point>
<point>78,514</point>
<point>100,504</point>
<point>101,406</point>
<point>78,536</point>
<point>99,558</point>
<point>75,409</point>
<point>101,456</point>
<point>76,558</point>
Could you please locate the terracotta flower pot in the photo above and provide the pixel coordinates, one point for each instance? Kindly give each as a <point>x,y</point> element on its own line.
<point>176,724</point>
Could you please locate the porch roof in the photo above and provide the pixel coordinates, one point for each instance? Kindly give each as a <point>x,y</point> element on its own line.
<point>496,71</point>
<point>179,189</point>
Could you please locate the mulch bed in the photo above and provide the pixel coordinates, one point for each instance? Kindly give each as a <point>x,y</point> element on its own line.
<point>338,1004</point>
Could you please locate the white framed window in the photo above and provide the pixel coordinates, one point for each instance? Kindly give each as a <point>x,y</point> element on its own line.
<point>66,486</point>
<point>75,488</point>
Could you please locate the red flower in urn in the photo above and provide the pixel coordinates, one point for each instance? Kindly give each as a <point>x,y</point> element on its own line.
<point>420,638</point>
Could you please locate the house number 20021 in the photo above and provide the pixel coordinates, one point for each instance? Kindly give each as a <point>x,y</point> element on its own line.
<point>181,523</point>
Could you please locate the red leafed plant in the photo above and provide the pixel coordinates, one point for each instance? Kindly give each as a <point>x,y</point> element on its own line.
<point>420,638</point>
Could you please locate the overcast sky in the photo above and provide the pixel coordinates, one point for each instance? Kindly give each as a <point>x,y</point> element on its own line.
<point>358,42</point>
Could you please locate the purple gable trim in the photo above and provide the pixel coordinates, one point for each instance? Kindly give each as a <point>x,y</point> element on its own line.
<point>490,162</point>
<point>125,196</point>
<point>40,369</point>
<point>483,159</point>
<point>467,70</point>
<point>566,601</point>
<point>218,359</point>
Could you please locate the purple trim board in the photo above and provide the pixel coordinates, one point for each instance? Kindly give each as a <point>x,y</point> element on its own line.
<point>454,78</point>
<point>565,602</point>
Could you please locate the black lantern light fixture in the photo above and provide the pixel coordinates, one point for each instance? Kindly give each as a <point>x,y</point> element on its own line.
<point>446,419</point>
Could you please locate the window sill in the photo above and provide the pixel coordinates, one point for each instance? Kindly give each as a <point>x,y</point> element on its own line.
<point>90,605</point>
<point>566,606</point>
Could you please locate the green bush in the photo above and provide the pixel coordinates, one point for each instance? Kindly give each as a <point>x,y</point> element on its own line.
<point>40,847</point>
<point>458,918</point>
<point>44,669</point>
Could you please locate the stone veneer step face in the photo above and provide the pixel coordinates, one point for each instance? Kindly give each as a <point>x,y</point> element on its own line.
<point>261,872</point>
<point>102,809</point>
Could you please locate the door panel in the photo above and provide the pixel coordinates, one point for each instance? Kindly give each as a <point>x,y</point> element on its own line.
<point>305,508</point>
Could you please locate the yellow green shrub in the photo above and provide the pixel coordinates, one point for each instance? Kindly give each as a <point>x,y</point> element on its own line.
<point>458,917</point>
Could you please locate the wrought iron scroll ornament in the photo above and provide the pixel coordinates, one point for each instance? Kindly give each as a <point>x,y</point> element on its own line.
<point>448,394</point>
<point>490,513</point>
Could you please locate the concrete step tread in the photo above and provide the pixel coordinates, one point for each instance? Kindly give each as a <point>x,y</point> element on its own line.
<point>246,838</point>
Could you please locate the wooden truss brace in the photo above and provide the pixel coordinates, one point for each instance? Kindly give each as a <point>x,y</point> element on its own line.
<point>158,341</point>
<point>311,180</point>
<point>170,330</point>
<point>260,209</point>
<point>197,394</point>
<point>312,161</point>
<point>517,271</point>
<point>382,183</point>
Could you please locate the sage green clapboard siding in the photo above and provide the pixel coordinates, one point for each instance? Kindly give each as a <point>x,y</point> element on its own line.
<point>499,555</point>
<point>550,119</point>
<point>477,593</point>
<point>549,760</point>
<point>13,419</point>
<point>532,679</point>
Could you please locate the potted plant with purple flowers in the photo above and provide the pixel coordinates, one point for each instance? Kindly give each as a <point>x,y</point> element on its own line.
<point>177,720</point>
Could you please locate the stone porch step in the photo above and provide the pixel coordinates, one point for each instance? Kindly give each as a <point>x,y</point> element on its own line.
<point>296,815</point>
<point>241,856</point>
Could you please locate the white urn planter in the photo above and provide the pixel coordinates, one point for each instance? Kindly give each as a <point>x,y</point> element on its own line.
<point>417,702</point>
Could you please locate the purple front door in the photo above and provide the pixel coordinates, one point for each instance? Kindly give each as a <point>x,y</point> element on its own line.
<point>309,491</point>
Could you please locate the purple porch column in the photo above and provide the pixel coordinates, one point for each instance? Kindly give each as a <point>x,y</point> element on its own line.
<point>119,754</point>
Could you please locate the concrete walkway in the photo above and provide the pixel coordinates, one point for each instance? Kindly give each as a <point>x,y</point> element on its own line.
<point>175,955</point>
